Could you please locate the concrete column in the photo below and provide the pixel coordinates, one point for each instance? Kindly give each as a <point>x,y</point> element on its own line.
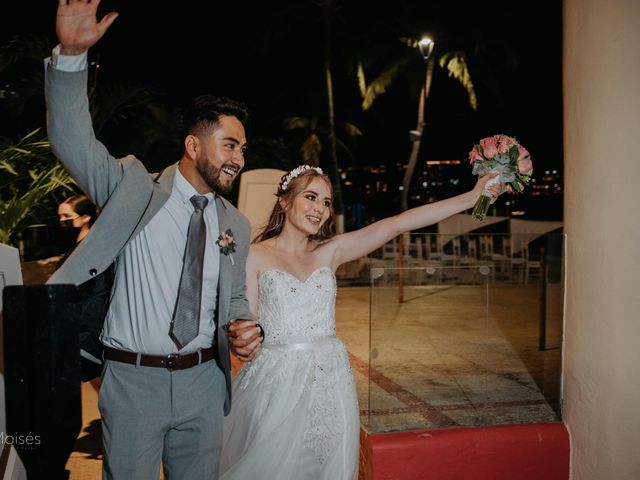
<point>602,222</point>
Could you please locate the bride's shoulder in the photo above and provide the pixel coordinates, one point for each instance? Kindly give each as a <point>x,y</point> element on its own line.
<point>259,251</point>
<point>256,259</point>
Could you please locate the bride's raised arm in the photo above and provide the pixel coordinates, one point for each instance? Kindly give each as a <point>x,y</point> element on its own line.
<point>352,245</point>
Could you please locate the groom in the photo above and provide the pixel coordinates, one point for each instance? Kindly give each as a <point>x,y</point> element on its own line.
<point>164,391</point>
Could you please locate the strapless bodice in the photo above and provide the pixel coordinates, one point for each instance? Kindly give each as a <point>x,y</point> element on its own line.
<point>292,310</point>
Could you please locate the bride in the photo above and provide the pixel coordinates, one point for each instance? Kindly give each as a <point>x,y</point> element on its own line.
<point>295,411</point>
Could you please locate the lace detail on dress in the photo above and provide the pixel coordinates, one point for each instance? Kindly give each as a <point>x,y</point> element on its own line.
<point>293,310</point>
<point>323,425</point>
<point>294,411</point>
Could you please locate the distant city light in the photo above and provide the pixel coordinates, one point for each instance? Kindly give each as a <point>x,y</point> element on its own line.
<point>443,162</point>
<point>437,179</point>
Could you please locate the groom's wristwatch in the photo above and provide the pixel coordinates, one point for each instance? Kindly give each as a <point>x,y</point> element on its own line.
<point>261,331</point>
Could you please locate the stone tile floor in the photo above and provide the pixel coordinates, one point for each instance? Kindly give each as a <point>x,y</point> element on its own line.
<point>452,356</point>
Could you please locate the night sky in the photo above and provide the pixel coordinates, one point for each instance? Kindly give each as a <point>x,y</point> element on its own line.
<point>269,55</point>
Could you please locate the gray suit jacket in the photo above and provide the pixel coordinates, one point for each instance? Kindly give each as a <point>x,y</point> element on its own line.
<point>129,197</point>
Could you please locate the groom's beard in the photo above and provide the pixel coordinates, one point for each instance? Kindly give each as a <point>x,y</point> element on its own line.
<point>212,175</point>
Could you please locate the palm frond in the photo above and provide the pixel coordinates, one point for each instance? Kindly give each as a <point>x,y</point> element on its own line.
<point>22,47</point>
<point>311,149</point>
<point>362,82</point>
<point>380,84</point>
<point>293,123</point>
<point>30,174</point>
<point>351,129</point>
<point>456,65</point>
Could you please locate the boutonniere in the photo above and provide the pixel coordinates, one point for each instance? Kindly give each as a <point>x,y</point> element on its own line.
<point>227,244</point>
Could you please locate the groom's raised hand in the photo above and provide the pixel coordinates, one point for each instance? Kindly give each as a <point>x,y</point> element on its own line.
<point>245,338</point>
<point>77,25</point>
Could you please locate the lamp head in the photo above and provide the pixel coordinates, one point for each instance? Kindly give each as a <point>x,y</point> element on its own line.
<point>426,47</point>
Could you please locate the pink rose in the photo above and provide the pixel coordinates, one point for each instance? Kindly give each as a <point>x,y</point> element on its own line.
<point>227,243</point>
<point>504,143</point>
<point>225,240</point>
<point>525,167</point>
<point>489,147</point>
<point>474,155</point>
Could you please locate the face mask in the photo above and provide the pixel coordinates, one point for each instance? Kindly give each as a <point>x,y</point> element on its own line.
<point>68,223</point>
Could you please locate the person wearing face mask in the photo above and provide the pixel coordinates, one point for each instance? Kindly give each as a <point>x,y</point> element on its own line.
<point>77,213</point>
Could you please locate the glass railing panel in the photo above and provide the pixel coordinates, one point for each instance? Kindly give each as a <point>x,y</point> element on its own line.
<point>422,337</point>
<point>464,338</point>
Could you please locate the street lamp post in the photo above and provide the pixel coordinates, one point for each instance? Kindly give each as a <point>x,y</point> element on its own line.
<point>426,49</point>
<point>425,45</point>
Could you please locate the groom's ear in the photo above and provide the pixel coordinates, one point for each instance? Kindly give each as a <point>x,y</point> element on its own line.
<point>191,144</point>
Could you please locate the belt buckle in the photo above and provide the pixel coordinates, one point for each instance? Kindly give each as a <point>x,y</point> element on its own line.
<point>171,361</point>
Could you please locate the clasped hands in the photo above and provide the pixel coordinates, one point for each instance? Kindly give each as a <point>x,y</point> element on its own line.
<point>245,338</point>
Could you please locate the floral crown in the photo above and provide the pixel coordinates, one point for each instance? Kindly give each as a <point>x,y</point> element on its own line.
<point>284,183</point>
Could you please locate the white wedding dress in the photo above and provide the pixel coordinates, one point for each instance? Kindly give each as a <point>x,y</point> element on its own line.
<point>295,412</point>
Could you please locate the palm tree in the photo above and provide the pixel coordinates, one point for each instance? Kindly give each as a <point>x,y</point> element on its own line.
<point>349,39</point>
<point>456,65</point>
<point>314,135</point>
<point>324,26</point>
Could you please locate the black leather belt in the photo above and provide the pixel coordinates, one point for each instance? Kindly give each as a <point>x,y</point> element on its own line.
<point>170,362</point>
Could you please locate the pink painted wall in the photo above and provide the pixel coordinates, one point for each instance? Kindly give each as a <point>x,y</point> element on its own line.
<point>602,223</point>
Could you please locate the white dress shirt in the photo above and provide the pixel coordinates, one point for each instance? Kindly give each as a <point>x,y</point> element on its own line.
<point>148,274</point>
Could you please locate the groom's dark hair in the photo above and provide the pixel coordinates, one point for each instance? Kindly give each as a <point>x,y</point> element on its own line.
<point>202,114</point>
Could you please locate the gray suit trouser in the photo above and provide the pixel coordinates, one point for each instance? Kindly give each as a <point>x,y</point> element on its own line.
<point>151,414</point>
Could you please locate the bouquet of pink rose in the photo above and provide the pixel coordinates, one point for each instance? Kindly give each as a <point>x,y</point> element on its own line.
<point>504,155</point>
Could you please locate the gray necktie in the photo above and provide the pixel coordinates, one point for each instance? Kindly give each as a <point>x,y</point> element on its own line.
<point>186,318</point>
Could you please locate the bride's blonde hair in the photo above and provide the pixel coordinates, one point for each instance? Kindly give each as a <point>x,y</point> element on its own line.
<point>292,184</point>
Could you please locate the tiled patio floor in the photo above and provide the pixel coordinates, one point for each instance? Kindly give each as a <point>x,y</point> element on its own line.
<point>446,358</point>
